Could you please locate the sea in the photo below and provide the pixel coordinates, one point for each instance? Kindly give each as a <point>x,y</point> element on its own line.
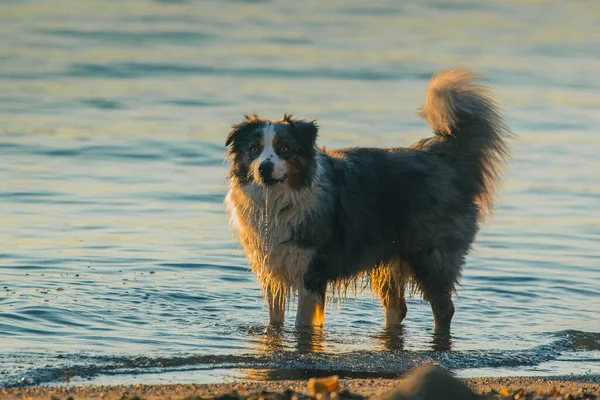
<point>117,264</point>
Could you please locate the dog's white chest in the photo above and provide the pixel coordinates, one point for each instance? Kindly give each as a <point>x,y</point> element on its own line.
<point>265,223</point>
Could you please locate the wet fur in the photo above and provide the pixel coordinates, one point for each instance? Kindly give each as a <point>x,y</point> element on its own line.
<point>400,215</point>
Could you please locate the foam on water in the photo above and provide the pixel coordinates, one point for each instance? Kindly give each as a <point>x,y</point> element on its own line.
<point>62,368</point>
<point>116,261</point>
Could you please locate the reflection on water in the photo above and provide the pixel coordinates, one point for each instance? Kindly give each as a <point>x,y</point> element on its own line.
<point>441,341</point>
<point>306,373</point>
<point>313,340</point>
<point>392,337</point>
<point>310,340</point>
<point>270,340</point>
<point>303,340</point>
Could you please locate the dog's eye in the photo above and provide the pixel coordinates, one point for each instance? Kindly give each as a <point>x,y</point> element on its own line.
<point>254,149</point>
<point>284,149</point>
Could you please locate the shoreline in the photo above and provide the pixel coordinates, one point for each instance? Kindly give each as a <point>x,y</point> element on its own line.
<point>495,387</point>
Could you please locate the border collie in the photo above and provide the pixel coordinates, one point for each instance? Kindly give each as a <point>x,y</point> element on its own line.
<point>309,218</point>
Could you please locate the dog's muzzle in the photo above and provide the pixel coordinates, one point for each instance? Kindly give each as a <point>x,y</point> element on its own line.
<point>265,170</point>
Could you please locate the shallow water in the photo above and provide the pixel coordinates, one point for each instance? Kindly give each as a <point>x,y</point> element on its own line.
<point>116,263</point>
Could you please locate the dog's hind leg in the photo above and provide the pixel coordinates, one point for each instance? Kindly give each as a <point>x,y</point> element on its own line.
<point>436,275</point>
<point>276,300</point>
<point>389,283</point>
<point>442,307</point>
<point>311,308</point>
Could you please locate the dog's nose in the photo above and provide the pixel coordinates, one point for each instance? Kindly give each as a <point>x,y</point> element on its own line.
<point>265,170</point>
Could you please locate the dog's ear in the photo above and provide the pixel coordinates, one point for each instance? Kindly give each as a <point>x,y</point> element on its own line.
<point>305,132</point>
<point>248,125</point>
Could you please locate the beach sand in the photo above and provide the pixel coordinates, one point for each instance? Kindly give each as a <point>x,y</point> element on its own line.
<point>513,388</point>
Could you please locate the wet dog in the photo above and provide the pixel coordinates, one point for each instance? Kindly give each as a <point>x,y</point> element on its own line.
<point>310,218</point>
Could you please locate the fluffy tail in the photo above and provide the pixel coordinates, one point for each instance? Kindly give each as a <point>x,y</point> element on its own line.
<point>463,116</point>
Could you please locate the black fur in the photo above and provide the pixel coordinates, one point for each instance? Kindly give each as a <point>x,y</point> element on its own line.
<point>412,210</point>
<point>387,205</point>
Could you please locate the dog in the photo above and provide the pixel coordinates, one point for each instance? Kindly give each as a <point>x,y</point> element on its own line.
<point>309,218</point>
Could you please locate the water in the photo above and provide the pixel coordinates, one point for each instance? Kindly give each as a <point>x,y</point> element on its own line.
<point>116,261</point>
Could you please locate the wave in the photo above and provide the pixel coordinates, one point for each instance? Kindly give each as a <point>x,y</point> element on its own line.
<point>293,365</point>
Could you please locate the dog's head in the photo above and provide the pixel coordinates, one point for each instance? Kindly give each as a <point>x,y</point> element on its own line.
<point>269,153</point>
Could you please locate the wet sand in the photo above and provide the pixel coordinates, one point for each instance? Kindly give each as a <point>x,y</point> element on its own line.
<point>517,388</point>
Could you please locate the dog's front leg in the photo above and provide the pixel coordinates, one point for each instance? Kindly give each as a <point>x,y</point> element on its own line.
<point>276,301</point>
<point>311,308</point>
<point>311,296</point>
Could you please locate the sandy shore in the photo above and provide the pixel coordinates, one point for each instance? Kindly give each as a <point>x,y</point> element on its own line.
<point>350,388</point>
